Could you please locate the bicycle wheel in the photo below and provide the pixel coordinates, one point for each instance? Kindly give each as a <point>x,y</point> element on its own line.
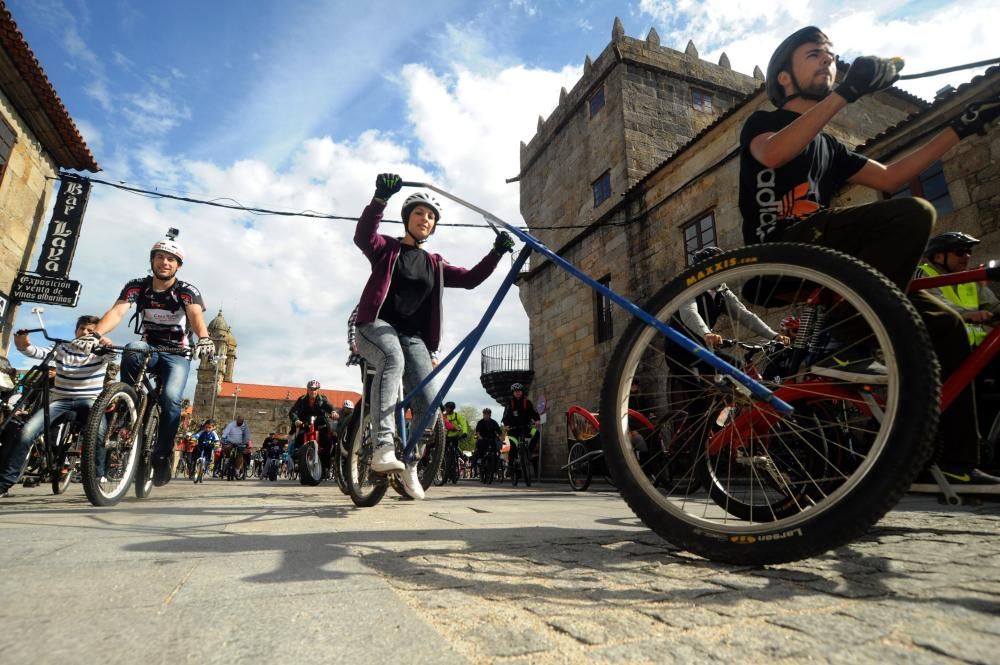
<point>62,471</point>
<point>515,466</point>
<point>119,445</point>
<point>310,467</point>
<point>199,470</point>
<point>430,452</point>
<point>365,488</point>
<point>778,488</point>
<point>144,472</point>
<point>526,470</point>
<point>578,469</point>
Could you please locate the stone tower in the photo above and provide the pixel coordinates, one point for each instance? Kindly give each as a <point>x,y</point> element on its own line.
<point>634,106</point>
<point>211,376</point>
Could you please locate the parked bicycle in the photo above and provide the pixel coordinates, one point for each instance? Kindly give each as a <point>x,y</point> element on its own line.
<point>122,428</point>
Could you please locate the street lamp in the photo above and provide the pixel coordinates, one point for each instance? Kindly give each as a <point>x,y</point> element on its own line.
<point>236,398</point>
<point>215,382</point>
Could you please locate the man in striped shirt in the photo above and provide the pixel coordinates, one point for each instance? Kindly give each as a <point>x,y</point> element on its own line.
<point>79,380</point>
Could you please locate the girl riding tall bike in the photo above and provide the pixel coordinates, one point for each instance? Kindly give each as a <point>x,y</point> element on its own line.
<point>399,316</point>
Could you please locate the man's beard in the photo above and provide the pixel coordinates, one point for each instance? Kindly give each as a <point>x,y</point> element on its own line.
<point>816,91</point>
<point>163,274</point>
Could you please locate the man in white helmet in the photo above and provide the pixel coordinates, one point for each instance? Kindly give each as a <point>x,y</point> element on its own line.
<point>168,310</point>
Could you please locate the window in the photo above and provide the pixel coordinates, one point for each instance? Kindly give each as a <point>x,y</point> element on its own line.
<point>7,140</point>
<point>597,100</point>
<point>698,233</point>
<point>603,324</point>
<point>602,188</point>
<point>930,185</point>
<point>701,101</point>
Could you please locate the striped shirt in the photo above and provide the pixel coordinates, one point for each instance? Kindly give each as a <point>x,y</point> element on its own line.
<point>77,374</point>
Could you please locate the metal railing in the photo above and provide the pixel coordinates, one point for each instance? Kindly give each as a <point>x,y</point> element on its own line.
<point>507,358</point>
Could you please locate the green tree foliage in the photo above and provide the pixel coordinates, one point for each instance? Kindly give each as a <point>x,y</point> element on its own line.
<point>472,416</point>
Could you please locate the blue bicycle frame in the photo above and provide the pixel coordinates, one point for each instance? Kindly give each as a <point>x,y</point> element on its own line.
<point>464,349</point>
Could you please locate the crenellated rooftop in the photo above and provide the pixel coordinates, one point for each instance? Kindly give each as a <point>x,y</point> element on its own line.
<point>648,52</point>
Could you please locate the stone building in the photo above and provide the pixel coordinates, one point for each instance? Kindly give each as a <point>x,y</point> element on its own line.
<point>633,193</point>
<point>219,396</point>
<point>37,139</point>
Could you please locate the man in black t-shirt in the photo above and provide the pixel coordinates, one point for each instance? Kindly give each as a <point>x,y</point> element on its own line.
<point>790,169</point>
<point>488,433</point>
<point>167,312</point>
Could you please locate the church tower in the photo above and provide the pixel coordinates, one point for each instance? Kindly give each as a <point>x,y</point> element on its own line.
<point>212,374</point>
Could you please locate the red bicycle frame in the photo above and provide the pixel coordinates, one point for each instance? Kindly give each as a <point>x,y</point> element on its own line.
<point>759,421</point>
<point>982,354</point>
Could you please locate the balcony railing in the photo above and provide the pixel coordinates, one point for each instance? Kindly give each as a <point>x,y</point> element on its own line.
<point>507,358</point>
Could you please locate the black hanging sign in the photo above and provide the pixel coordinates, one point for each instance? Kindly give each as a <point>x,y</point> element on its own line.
<point>64,228</point>
<point>47,290</point>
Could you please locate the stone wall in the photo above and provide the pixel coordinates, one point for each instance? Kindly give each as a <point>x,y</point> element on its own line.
<point>24,198</point>
<point>262,415</point>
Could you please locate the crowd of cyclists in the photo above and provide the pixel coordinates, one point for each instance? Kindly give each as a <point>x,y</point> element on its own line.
<point>275,457</point>
<point>789,170</point>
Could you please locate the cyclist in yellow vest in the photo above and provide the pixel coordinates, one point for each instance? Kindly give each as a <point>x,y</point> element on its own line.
<point>977,304</point>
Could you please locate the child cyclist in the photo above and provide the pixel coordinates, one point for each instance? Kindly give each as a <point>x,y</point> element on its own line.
<point>399,315</point>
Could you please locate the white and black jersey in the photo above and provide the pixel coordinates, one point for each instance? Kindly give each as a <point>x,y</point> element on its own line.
<point>161,316</point>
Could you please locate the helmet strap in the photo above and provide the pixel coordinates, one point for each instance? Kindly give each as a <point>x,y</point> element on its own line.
<point>800,93</point>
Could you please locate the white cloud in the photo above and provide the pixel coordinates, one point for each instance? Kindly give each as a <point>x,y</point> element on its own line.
<point>91,135</point>
<point>929,36</point>
<point>150,112</point>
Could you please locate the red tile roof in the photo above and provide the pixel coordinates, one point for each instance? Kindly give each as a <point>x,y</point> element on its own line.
<point>257,391</point>
<point>32,94</point>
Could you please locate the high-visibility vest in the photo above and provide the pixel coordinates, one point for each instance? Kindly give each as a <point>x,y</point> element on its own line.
<point>964,295</point>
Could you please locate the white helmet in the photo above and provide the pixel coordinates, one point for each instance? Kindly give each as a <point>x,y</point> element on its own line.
<point>421,198</point>
<point>348,404</point>
<point>170,246</point>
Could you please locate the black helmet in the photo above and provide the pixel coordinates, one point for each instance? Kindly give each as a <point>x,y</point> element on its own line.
<point>705,253</point>
<point>449,405</point>
<point>782,57</point>
<point>516,386</point>
<point>312,384</point>
<point>944,242</point>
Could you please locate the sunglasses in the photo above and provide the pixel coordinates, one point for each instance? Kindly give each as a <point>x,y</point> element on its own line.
<point>961,252</point>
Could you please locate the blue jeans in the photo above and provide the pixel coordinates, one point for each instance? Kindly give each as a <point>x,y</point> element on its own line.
<point>33,428</point>
<point>396,358</point>
<point>172,372</point>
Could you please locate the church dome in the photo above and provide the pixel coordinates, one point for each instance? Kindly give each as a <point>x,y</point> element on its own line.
<point>219,327</point>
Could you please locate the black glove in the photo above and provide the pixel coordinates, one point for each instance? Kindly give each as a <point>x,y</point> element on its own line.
<point>387,184</point>
<point>976,117</point>
<point>869,74</point>
<point>503,244</point>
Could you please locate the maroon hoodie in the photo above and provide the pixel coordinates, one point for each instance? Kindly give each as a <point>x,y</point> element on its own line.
<point>382,251</point>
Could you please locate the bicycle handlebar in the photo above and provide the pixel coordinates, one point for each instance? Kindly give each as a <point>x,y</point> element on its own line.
<point>27,331</point>
<point>490,218</point>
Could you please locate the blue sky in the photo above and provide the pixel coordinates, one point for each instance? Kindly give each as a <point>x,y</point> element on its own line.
<point>297,105</point>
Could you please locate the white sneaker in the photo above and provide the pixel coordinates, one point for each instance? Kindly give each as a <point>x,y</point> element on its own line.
<point>384,460</point>
<point>411,481</point>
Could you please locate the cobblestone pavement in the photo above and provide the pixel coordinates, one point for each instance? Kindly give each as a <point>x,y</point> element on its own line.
<point>262,572</point>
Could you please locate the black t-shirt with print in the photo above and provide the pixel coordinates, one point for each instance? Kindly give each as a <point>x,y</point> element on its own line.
<point>406,307</point>
<point>771,199</point>
<point>163,314</point>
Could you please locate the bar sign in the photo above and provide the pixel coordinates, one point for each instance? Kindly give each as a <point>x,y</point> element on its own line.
<point>64,228</point>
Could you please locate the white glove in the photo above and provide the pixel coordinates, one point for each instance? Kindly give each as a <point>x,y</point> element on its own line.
<point>205,348</point>
<point>86,343</point>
